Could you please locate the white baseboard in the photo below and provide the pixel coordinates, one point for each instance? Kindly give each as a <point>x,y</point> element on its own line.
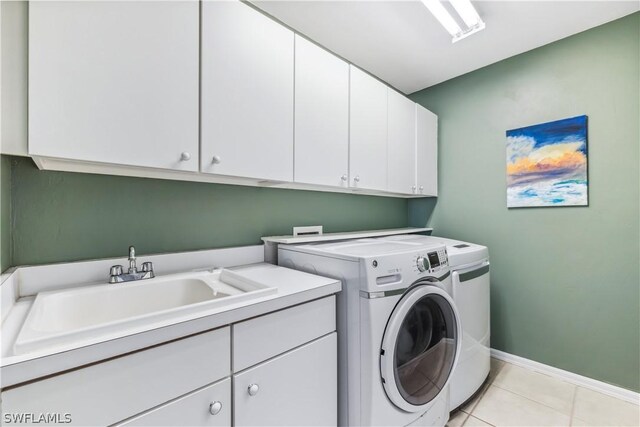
<point>570,377</point>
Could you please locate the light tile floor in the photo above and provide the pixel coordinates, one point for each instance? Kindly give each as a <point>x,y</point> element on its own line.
<point>515,396</point>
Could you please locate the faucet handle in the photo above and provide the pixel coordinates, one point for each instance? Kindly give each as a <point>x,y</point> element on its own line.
<point>147,267</point>
<point>114,272</point>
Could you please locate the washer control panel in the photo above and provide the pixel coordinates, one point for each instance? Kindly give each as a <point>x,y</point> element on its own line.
<point>432,262</point>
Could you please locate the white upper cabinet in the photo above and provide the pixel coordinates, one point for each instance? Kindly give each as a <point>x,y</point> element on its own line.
<point>115,82</point>
<point>214,91</point>
<point>368,132</point>
<point>401,140</point>
<point>426,152</point>
<point>247,93</point>
<point>321,116</point>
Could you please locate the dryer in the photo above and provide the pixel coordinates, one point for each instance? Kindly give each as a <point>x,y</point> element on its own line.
<point>471,291</point>
<point>398,328</point>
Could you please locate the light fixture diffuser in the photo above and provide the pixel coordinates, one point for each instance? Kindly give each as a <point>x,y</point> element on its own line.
<point>464,9</point>
<point>467,12</point>
<point>441,14</point>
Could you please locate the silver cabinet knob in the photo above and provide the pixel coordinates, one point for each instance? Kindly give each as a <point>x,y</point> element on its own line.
<point>413,188</point>
<point>253,389</point>
<point>216,159</point>
<point>344,178</point>
<point>421,188</point>
<point>215,408</point>
<point>357,178</point>
<point>185,156</point>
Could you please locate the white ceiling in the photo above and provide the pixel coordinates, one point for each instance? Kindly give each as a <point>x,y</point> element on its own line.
<point>401,43</point>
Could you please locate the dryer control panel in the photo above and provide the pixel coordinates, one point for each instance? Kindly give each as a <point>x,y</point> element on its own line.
<point>432,262</point>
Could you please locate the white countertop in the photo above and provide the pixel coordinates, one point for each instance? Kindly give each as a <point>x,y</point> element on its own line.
<point>293,287</point>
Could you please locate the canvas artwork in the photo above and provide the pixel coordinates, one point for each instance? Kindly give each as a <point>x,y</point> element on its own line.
<point>547,164</point>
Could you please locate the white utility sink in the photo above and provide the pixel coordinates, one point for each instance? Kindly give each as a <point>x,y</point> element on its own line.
<point>68,316</point>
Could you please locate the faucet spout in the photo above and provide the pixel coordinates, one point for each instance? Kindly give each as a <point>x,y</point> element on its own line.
<point>132,260</point>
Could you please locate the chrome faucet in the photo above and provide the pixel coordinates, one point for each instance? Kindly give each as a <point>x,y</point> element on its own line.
<point>132,260</point>
<point>117,274</point>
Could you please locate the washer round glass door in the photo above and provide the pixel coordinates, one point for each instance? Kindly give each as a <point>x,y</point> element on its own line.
<point>420,347</point>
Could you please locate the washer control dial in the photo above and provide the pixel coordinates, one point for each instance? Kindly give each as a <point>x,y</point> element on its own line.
<point>423,263</point>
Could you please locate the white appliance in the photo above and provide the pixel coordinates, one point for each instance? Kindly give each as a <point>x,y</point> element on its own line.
<point>398,328</point>
<point>469,265</point>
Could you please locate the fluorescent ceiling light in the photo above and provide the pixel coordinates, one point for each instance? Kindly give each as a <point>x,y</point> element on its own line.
<point>467,12</point>
<point>441,14</point>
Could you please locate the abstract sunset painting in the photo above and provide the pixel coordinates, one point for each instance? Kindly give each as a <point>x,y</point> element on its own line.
<point>547,164</point>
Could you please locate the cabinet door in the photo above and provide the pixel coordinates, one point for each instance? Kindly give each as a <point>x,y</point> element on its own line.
<point>119,388</point>
<point>253,340</point>
<point>298,388</point>
<point>247,93</point>
<point>209,406</point>
<point>401,148</point>
<point>115,82</point>
<point>321,116</point>
<point>368,132</point>
<point>426,151</point>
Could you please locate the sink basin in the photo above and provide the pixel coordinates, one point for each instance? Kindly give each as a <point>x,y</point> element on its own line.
<point>69,316</point>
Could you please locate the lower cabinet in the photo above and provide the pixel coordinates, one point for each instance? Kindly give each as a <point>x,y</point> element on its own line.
<point>111,391</point>
<point>210,406</point>
<point>298,388</point>
<point>284,375</point>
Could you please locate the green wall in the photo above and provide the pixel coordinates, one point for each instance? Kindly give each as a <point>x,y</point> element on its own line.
<point>5,213</point>
<point>565,280</point>
<point>61,216</point>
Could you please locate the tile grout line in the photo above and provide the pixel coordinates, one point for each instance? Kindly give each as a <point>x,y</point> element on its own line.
<point>485,387</point>
<point>531,400</point>
<point>480,396</point>
<point>465,418</point>
<point>573,404</point>
<point>478,418</point>
<point>480,399</point>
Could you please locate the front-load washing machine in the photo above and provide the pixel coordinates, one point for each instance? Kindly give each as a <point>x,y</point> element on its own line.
<point>469,265</point>
<point>398,328</point>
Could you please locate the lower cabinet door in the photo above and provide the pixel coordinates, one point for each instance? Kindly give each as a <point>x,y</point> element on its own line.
<point>298,388</point>
<point>209,406</point>
<point>117,389</point>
